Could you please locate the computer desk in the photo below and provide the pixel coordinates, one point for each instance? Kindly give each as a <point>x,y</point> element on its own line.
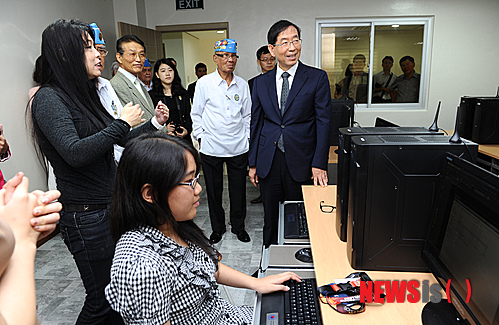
<point>331,262</point>
<point>491,150</point>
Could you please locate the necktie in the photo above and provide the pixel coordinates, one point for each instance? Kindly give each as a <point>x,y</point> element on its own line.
<point>284,98</point>
<point>284,90</point>
<point>139,87</point>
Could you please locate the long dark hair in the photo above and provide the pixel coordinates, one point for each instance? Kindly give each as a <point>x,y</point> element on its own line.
<point>63,67</point>
<point>157,86</point>
<point>159,160</point>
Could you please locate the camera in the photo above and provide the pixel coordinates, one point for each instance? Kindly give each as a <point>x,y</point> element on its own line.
<point>178,128</point>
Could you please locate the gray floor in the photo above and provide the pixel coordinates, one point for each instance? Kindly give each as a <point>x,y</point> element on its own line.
<point>60,292</point>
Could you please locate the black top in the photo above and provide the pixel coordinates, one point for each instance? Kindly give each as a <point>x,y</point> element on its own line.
<point>191,89</point>
<point>179,107</point>
<point>83,166</point>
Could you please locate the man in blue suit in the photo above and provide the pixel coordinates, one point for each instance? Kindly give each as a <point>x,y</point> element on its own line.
<point>290,121</point>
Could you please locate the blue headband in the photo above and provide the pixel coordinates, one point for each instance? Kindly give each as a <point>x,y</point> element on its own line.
<point>226,45</point>
<point>99,39</point>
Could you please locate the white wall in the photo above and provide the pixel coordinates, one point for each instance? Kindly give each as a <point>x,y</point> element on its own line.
<point>21,26</point>
<point>464,51</point>
<point>463,61</point>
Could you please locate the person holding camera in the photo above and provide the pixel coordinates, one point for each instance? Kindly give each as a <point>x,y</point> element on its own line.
<point>167,87</point>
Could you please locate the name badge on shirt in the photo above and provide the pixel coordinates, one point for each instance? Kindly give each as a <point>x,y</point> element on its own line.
<point>115,109</point>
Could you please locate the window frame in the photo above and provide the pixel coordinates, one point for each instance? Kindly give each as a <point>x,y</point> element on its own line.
<point>424,65</point>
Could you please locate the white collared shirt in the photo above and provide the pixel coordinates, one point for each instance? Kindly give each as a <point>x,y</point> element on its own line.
<point>278,80</point>
<point>146,86</point>
<point>113,106</point>
<point>221,115</point>
<point>129,75</point>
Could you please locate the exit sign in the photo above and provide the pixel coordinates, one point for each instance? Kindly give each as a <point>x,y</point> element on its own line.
<point>189,4</point>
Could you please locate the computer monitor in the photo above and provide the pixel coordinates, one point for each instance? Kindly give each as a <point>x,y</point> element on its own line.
<point>342,116</point>
<point>463,241</point>
<point>381,122</point>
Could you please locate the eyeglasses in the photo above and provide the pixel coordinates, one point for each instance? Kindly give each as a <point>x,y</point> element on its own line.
<point>226,56</point>
<point>285,45</point>
<point>192,183</point>
<point>133,56</point>
<point>102,51</point>
<point>326,208</point>
<point>271,59</point>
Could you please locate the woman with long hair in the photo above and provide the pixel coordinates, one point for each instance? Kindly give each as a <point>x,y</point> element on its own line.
<point>74,132</point>
<point>167,87</point>
<point>165,270</point>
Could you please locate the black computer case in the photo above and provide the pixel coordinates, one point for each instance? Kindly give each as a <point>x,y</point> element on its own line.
<point>486,121</point>
<point>343,165</point>
<point>393,182</point>
<point>466,116</point>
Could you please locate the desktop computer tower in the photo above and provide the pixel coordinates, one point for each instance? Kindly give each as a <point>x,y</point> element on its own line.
<point>343,165</point>
<point>466,116</point>
<point>486,121</point>
<point>393,185</point>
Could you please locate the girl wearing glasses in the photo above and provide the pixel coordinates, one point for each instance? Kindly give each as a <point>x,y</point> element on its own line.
<point>165,270</point>
<point>75,133</point>
<point>167,87</point>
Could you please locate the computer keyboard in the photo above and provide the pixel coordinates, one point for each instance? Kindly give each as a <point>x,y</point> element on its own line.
<point>301,303</point>
<point>295,221</point>
<point>298,306</point>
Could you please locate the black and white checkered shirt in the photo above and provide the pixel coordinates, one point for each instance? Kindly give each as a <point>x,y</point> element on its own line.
<point>154,279</point>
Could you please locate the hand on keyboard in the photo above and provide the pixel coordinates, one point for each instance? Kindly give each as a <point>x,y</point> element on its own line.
<point>275,282</point>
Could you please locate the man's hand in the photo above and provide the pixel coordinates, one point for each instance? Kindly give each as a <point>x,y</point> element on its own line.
<point>319,176</point>
<point>253,176</point>
<point>162,113</point>
<point>132,114</point>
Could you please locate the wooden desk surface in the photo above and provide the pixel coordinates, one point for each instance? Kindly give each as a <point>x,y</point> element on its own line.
<point>331,262</point>
<point>491,150</point>
<point>333,157</point>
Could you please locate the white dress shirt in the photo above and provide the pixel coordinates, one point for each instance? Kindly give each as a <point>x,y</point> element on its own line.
<point>113,106</point>
<point>278,80</point>
<point>221,115</point>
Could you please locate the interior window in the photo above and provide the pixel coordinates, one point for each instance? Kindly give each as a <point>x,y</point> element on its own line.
<point>380,63</point>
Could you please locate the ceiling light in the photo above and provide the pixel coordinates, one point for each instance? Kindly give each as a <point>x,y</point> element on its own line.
<point>395,26</point>
<point>220,31</point>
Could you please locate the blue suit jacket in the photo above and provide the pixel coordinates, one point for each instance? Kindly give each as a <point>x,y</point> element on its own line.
<point>305,123</point>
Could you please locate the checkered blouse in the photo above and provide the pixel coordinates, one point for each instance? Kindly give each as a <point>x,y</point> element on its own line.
<point>154,279</point>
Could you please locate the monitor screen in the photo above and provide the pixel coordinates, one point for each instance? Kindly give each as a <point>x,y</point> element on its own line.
<point>463,242</point>
<point>342,114</point>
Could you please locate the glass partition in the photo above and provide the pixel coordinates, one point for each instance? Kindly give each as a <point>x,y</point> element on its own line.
<point>380,63</point>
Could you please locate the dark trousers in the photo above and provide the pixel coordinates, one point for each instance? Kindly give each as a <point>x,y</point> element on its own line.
<point>213,176</point>
<point>88,237</point>
<point>277,187</point>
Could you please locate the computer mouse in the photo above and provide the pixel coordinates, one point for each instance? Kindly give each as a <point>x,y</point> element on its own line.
<point>304,255</point>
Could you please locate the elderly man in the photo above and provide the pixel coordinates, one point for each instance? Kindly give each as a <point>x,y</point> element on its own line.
<point>145,75</point>
<point>107,95</point>
<point>290,114</point>
<point>405,89</point>
<point>131,56</point>
<point>221,117</point>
